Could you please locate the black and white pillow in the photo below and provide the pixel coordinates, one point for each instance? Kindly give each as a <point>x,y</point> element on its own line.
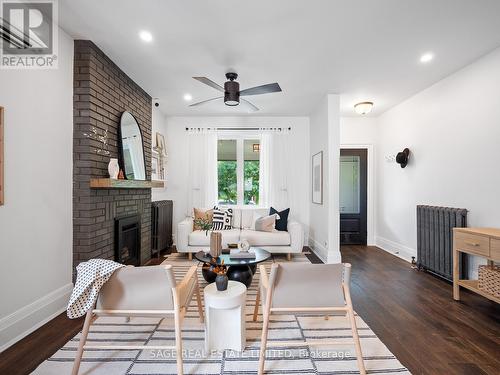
<point>222,219</point>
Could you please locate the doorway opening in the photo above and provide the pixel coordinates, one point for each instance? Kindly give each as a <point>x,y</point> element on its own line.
<point>353,196</point>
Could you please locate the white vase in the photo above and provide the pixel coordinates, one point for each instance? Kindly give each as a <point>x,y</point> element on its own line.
<point>113,168</point>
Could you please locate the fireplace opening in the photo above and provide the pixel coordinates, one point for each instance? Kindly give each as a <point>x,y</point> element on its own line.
<point>128,240</point>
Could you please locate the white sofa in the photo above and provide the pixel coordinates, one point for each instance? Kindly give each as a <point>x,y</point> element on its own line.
<point>189,241</point>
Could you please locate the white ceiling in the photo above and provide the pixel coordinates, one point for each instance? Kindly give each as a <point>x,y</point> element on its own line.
<point>361,49</point>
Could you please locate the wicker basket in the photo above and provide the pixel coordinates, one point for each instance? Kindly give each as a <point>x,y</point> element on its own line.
<point>489,280</point>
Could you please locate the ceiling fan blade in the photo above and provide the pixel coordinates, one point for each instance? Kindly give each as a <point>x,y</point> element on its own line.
<point>264,89</point>
<point>248,104</point>
<point>205,101</point>
<point>210,83</point>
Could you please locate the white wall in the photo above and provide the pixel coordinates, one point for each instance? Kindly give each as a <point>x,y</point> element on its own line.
<point>324,221</point>
<point>358,130</point>
<point>36,220</point>
<point>453,132</point>
<point>177,160</point>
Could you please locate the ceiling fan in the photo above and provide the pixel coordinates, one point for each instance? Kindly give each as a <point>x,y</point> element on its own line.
<point>232,93</point>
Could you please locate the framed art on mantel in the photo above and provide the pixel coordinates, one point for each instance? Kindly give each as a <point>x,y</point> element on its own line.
<point>317,178</point>
<point>2,188</point>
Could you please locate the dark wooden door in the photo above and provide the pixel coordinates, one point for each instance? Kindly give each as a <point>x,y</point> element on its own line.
<point>353,196</point>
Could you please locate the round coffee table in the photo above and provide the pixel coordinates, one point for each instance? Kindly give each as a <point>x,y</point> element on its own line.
<point>241,270</point>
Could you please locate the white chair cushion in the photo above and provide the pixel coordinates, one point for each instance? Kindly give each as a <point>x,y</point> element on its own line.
<point>199,238</point>
<point>256,238</point>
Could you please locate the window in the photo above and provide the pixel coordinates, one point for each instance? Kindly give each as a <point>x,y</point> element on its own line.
<point>349,184</point>
<point>227,163</point>
<point>251,171</point>
<point>238,171</point>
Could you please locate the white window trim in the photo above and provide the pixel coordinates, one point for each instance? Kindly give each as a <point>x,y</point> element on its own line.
<point>240,138</point>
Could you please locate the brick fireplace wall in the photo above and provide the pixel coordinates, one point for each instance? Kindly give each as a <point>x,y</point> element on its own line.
<point>102,91</point>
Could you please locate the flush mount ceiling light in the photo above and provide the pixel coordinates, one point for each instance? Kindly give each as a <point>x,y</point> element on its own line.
<point>145,36</point>
<point>188,97</point>
<point>426,57</point>
<point>363,108</point>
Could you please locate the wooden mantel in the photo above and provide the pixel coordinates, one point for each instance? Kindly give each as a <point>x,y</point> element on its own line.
<point>109,183</point>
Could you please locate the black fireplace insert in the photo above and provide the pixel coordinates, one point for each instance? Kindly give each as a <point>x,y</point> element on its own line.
<point>128,240</point>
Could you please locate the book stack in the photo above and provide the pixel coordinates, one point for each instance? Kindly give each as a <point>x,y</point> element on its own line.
<point>238,254</point>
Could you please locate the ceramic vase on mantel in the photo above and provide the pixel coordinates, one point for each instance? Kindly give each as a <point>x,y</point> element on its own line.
<point>215,244</point>
<point>113,168</point>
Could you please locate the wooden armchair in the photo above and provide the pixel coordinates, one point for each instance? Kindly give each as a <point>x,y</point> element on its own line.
<point>310,288</point>
<point>145,292</point>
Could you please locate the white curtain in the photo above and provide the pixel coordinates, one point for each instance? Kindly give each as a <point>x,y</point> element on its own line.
<point>276,169</point>
<point>202,188</point>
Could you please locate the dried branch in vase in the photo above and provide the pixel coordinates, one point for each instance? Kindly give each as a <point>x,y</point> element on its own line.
<point>103,139</point>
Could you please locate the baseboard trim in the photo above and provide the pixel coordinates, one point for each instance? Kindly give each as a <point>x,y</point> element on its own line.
<point>27,319</point>
<point>318,249</point>
<point>394,248</point>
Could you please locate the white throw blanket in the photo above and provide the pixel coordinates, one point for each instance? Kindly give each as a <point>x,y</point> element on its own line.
<point>90,277</point>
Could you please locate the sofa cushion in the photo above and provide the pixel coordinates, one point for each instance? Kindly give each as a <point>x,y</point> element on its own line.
<point>236,218</point>
<point>199,238</point>
<point>282,222</point>
<point>222,219</point>
<point>276,238</point>
<point>266,223</point>
<point>247,216</point>
<point>204,214</point>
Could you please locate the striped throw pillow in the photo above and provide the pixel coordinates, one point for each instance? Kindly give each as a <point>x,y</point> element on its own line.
<point>222,219</point>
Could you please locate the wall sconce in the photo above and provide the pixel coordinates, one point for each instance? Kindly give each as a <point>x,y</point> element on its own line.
<point>256,147</point>
<point>402,157</point>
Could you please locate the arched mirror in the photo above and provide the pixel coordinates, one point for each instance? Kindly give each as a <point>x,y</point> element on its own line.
<point>132,148</point>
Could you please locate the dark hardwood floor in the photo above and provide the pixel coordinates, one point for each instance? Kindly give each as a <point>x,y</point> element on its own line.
<point>412,312</point>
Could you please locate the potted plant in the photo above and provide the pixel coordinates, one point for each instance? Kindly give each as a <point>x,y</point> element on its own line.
<point>203,223</point>
<point>215,237</point>
<point>221,279</point>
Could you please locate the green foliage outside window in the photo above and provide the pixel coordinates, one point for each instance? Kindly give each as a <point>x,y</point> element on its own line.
<point>227,182</point>
<point>228,185</point>
<point>251,175</point>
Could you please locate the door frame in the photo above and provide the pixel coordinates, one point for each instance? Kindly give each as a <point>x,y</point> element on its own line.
<point>370,192</point>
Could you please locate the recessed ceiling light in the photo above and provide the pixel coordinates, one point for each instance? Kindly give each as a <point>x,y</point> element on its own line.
<point>146,36</point>
<point>363,108</point>
<point>188,97</point>
<point>426,57</point>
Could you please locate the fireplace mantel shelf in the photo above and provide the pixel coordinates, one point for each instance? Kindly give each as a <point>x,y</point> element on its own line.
<point>109,183</point>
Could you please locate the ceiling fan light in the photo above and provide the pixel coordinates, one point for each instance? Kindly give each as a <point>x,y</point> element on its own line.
<point>363,108</point>
<point>231,93</point>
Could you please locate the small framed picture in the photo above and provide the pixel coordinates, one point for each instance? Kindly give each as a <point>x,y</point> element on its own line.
<point>160,144</point>
<point>317,178</point>
<point>155,166</point>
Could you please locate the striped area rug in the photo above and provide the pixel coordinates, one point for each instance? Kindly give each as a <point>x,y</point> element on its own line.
<point>297,360</point>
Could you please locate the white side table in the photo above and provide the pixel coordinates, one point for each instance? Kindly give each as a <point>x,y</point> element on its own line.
<point>225,317</point>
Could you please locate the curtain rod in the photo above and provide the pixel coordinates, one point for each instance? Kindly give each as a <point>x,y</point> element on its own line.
<point>242,128</point>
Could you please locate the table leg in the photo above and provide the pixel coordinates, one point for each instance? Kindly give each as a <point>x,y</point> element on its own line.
<point>456,275</point>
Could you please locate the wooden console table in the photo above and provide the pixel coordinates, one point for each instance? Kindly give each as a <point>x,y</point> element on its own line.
<point>482,242</point>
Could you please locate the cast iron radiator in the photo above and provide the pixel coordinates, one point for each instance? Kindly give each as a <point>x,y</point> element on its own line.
<point>161,226</point>
<point>435,238</point>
